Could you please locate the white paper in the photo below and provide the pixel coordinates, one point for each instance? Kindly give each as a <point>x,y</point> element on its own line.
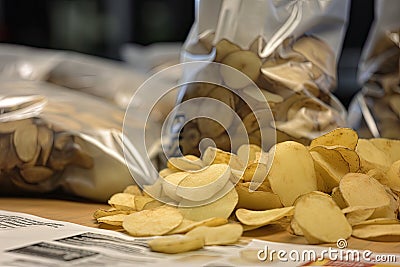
<point>27,240</point>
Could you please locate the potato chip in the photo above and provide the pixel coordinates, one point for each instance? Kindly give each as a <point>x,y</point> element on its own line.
<point>378,221</point>
<point>356,215</point>
<point>291,182</point>
<point>360,190</point>
<point>153,204</point>
<point>116,219</point>
<point>329,165</point>
<point>390,211</point>
<point>102,212</point>
<point>378,232</point>
<point>221,208</point>
<point>393,176</point>
<point>338,198</point>
<point>341,136</point>
<point>350,156</point>
<point>141,201</point>
<point>294,226</point>
<point>122,201</point>
<point>372,157</point>
<point>204,184</point>
<point>219,235</point>
<point>187,225</point>
<point>153,222</point>
<point>320,219</point>
<point>167,171</point>
<point>256,172</point>
<point>214,155</point>
<point>175,244</point>
<point>170,184</point>
<point>378,175</point>
<point>185,163</point>
<point>256,200</point>
<point>133,190</point>
<point>264,217</point>
<point>389,146</point>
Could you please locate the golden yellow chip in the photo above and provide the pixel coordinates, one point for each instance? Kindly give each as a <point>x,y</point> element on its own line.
<point>320,219</point>
<point>204,184</point>
<point>153,222</point>
<point>264,217</point>
<point>378,232</point>
<point>175,244</point>
<point>292,172</point>
<point>219,235</point>
<point>116,219</point>
<point>187,225</point>
<point>122,201</point>
<point>221,208</point>
<point>360,190</point>
<point>342,136</point>
<point>133,190</point>
<point>256,200</point>
<point>102,212</point>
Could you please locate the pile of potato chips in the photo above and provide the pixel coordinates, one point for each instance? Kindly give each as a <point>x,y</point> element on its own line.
<point>339,186</point>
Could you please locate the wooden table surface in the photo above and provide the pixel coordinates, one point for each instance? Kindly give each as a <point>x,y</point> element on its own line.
<point>81,213</point>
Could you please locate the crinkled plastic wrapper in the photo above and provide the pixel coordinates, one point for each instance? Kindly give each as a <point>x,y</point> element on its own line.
<point>289,49</point>
<point>375,111</point>
<point>52,137</point>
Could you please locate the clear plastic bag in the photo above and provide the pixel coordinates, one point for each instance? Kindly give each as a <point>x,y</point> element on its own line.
<point>289,49</point>
<point>375,110</point>
<point>52,137</point>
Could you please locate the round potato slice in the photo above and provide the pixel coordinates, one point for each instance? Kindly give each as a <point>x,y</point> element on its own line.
<point>204,184</point>
<point>219,235</point>
<point>257,200</point>
<point>360,190</point>
<point>372,157</point>
<point>214,155</point>
<point>264,217</point>
<point>185,163</point>
<point>176,244</point>
<point>378,232</point>
<point>320,218</point>
<point>292,172</point>
<point>221,208</point>
<point>389,146</point>
<point>122,201</point>
<point>393,176</point>
<point>153,222</point>
<point>170,184</point>
<point>339,137</point>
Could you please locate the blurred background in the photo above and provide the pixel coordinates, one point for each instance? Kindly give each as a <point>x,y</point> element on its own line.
<point>102,27</point>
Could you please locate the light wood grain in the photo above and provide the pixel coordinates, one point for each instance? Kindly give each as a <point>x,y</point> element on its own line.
<point>81,213</point>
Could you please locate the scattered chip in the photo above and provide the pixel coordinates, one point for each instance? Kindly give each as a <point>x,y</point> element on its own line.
<point>175,244</point>
<point>122,201</point>
<point>133,190</point>
<point>116,219</point>
<point>320,219</point>
<point>378,232</point>
<point>251,217</point>
<point>153,222</point>
<point>292,172</point>
<point>360,190</point>
<point>219,235</point>
<point>342,136</point>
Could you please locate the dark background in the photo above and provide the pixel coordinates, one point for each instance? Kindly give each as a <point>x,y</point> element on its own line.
<point>100,27</point>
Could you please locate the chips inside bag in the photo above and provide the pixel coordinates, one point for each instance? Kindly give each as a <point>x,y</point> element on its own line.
<point>288,49</point>
<point>375,110</point>
<point>54,138</point>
